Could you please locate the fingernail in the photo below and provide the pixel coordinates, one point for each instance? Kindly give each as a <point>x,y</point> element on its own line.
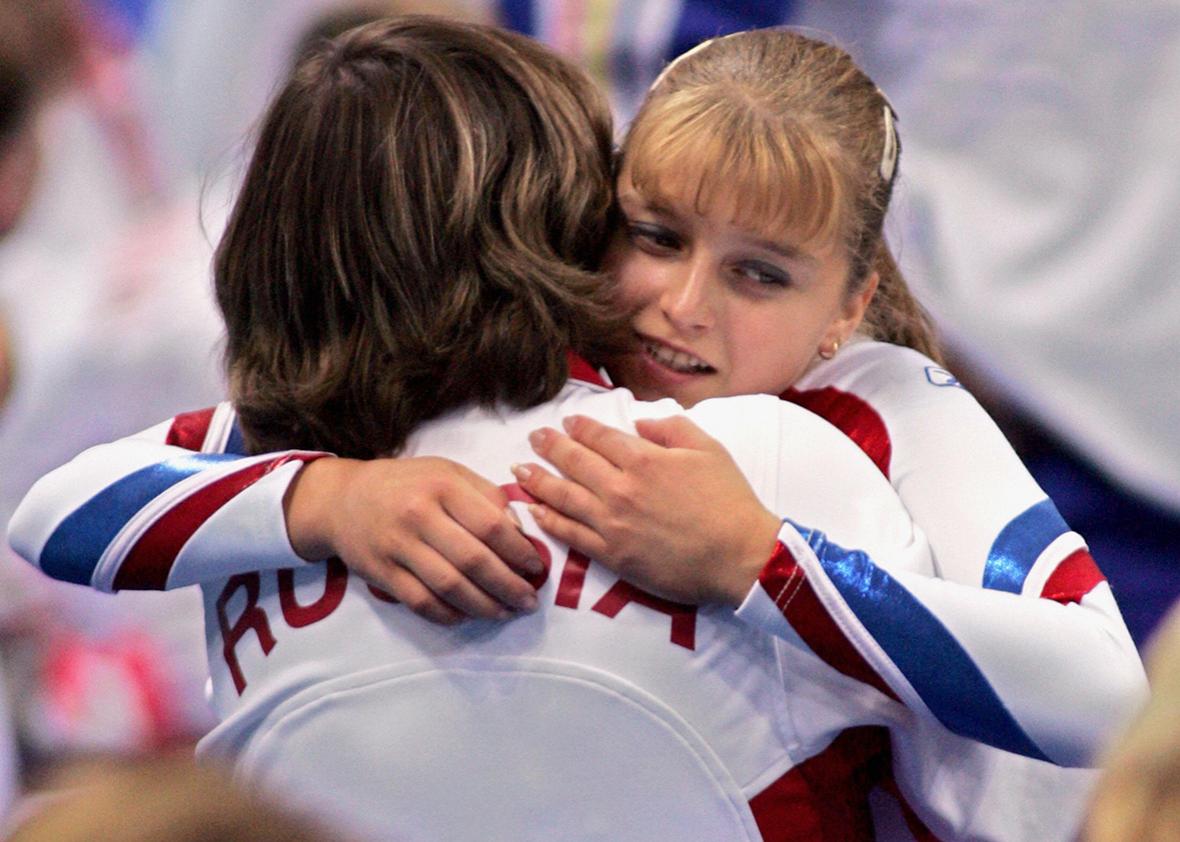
<point>505,614</point>
<point>537,438</point>
<point>567,423</point>
<point>513,516</point>
<point>529,603</point>
<point>522,472</point>
<point>537,511</point>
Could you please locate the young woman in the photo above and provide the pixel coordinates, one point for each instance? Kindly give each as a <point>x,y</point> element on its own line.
<point>751,259</point>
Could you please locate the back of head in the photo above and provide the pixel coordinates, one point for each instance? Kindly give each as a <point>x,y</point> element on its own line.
<point>418,229</point>
<point>806,139</point>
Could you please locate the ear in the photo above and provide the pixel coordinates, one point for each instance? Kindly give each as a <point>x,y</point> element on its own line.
<point>852,311</point>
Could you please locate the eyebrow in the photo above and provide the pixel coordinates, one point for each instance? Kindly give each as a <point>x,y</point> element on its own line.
<point>787,251</point>
<point>784,250</point>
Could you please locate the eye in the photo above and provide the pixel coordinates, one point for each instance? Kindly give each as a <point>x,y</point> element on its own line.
<point>654,238</point>
<point>763,274</point>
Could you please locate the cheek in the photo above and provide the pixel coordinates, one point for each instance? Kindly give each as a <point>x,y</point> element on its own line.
<point>633,278</point>
<point>768,357</point>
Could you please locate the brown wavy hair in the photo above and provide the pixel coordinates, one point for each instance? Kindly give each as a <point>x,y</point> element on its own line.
<point>419,228</point>
<point>795,128</point>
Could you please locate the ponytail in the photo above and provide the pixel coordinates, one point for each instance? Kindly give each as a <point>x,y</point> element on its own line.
<point>894,315</point>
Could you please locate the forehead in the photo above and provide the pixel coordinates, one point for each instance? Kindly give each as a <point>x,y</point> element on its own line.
<point>776,184</point>
<point>681,195</point>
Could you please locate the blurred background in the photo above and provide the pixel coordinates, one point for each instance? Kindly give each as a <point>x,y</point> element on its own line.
<point>1037,216</point>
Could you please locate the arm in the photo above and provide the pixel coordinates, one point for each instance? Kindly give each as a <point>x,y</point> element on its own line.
<point>150,512</point>
<point>1013,670</point>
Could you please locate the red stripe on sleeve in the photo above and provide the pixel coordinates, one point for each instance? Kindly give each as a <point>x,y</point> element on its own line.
<point>1075,576</point>
<point>786,583</point>
<point>852,416</point>
<point>190,428</point>
<point>149,563</point>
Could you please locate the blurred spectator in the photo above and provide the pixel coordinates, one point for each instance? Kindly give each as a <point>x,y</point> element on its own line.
<point>212,65</point>
<point>1138,797</point>
<point>167,799</point>
<point>108,324</point>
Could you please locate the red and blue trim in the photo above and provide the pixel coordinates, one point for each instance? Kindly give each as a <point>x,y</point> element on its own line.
<point>149,562</point>
<point>932,660</point>
<point>1019,545</point>
<point>73,550</point>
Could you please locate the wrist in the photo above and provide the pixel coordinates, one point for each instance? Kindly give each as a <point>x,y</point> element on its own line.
<point>760,541</point>
<point>310,503</point>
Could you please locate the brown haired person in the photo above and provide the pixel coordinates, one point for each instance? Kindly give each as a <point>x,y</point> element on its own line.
<point>337,342</point>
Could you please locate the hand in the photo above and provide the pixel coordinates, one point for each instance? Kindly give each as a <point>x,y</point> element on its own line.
<point>431,533</point>
<point>669,511</point>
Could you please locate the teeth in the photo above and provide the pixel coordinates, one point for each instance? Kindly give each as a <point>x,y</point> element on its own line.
<point>676,360</point>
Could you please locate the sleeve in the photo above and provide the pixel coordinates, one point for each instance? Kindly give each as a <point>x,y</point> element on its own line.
<point>1014,641</point>
<point>159,510</point>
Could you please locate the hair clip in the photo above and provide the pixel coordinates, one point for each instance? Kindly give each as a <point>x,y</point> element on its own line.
<point>890,148</point>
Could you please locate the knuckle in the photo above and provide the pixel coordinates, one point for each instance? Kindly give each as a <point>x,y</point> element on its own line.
<point>641,459</point>
<point>449,583</point>
<point>575,458</point>
<point>485,524</point>
<point>468,561</point>
<point>562,497</point>
<point>419,603</point>
<point>415,508</point>
<point>628,494</point>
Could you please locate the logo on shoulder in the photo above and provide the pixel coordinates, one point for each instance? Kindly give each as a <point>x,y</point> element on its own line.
<point>941,377</point>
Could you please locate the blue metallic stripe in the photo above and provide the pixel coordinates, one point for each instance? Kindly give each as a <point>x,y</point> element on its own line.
<point>929,656</point>
<point>73,550</point>
<point>236,443</point>
<point>1020,544</point>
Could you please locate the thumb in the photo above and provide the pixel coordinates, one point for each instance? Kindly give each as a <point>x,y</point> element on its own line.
<point>675,431</point>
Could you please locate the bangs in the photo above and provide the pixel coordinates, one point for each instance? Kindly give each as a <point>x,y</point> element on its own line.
<point>716,150</point>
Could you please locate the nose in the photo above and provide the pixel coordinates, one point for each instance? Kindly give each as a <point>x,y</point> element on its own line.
<point>686,300</point>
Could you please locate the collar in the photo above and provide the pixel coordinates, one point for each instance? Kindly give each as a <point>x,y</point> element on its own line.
<point>582,372</point>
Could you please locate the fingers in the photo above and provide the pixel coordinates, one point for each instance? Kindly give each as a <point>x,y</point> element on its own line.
<point>493,527</point>
<point>615,446</point>
<point>479,567</point>
<point>574,459</point>
<point>571,500</point>
<point>577,535</point>
<point>675,431</point>
<point>450,584</point>
<point>404,587</point>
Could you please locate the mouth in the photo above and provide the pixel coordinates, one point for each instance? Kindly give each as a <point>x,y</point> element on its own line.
<point>679,361</point>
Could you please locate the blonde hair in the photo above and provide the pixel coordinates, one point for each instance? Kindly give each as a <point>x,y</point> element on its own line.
<point>1138,795</point>
<point>169,798</point>
<point>795,129</point>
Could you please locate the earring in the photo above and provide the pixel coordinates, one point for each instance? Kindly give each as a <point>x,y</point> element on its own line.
<point>827,352</point>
